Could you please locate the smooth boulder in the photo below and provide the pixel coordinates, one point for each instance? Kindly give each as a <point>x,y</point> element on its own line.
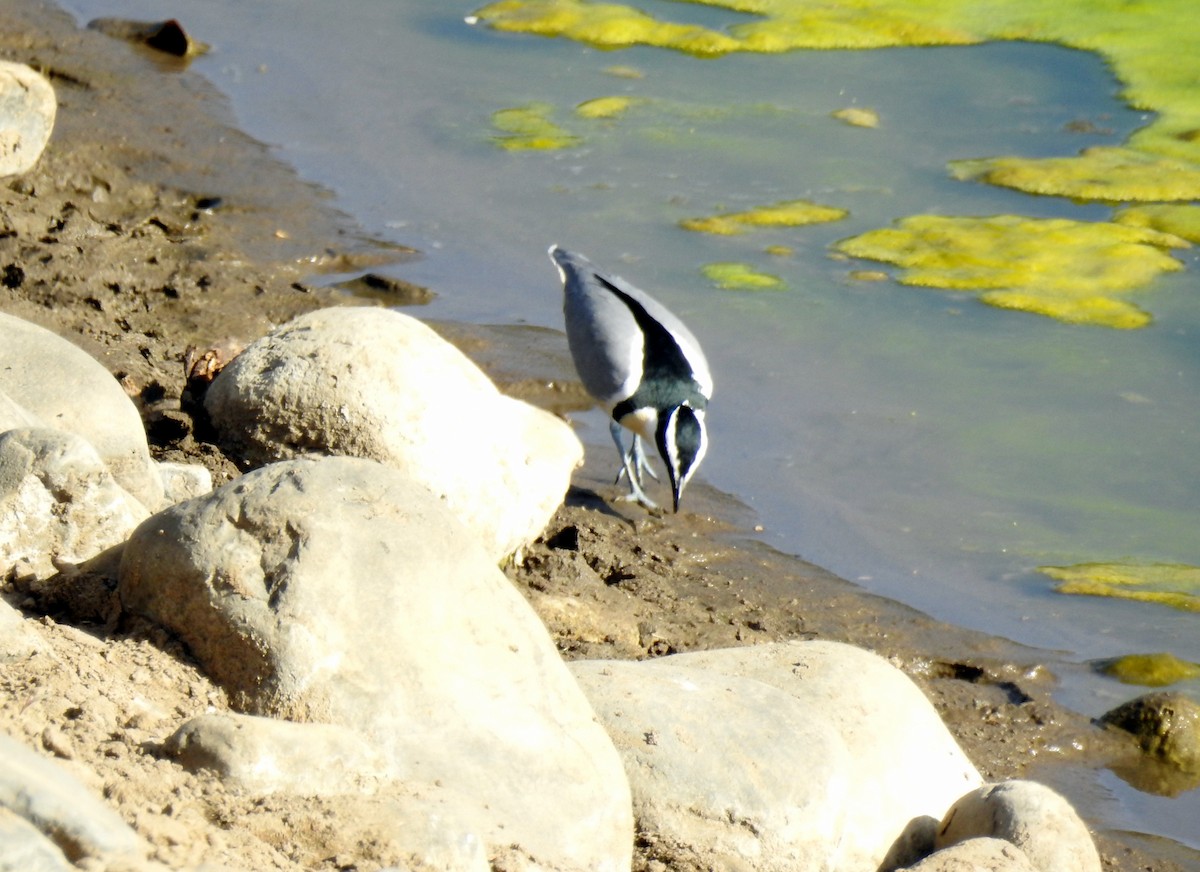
<point>65,388</point>
<point>726,773</point>
<point>374,383</point>
<point>895,767</point>
<point>907,768</point>
<point>28,108</point>
<point>1031,816</point>
<point>338,591</point>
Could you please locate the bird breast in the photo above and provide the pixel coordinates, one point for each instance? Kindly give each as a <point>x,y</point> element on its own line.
<point>643,422</point>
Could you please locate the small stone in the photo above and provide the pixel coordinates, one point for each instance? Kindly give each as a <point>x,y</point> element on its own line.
<point>1166,726</point>
<point>57,743</point>
<point>168,37</point>
<point>183,481</point>
<point>28,107</point>
<point>266,755</point>
<point>389,290</point>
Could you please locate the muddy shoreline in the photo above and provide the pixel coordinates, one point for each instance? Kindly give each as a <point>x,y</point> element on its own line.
<point>152,225</point>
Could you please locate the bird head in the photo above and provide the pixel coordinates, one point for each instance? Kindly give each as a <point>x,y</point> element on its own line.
<point>681,440</point>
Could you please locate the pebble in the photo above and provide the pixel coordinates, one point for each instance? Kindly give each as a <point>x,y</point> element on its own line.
<point>1166,726</point>
<point>55,741</point>
<point>28,107</point>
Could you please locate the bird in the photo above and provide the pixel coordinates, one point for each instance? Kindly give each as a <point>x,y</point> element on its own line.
<point>641,364</point>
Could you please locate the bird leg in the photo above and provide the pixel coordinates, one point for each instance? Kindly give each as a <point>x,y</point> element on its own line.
<point>638,457</point>
<point>633,464</point>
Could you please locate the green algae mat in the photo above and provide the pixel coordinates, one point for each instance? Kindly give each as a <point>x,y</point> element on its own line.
<point>1170,584</point>
<point>1081,272</point>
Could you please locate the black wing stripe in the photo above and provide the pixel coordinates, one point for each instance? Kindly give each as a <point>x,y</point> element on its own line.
<point>667,378</point>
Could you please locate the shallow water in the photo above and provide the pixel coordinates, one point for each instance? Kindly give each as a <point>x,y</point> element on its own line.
<point>935,449</point>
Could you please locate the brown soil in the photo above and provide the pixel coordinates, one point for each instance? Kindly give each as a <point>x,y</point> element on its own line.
<point>149,226</point>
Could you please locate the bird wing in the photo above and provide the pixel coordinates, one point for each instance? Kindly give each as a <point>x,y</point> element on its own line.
<point>605,339</point>
<point>687,342</point>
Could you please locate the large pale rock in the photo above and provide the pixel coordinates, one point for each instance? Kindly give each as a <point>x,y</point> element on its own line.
<point>339,591</point>
<point>907,768</point>
<point>898,767</point>
<point>55,803</point>
<point>58,500</point>
<point>1029,815</point>
<point>370,382</point>
<point>27,110</point>
<point>726,772</point>
<point>65,388</point>
<point>23,848</point>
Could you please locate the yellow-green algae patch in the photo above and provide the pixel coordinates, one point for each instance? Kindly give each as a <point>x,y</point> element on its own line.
<point>783,25</point>
<point>1152,47</point>
<point>603,25</point>
<point>791,213</point>
<point>529,128</point>
<point>607,107</point>
<point>1102,173</point>
<point>858,117</point>
<point>1149,670</point>
<point>1093,311</point>
<point>1070,270</point>
<point>1170,584</point>
<point>1181,221</point>
<point>741,277</point>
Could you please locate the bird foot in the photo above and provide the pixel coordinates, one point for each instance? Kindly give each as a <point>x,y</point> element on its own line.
<point>638,497</point>
<point>633,464</point>
<point>633,461</point>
